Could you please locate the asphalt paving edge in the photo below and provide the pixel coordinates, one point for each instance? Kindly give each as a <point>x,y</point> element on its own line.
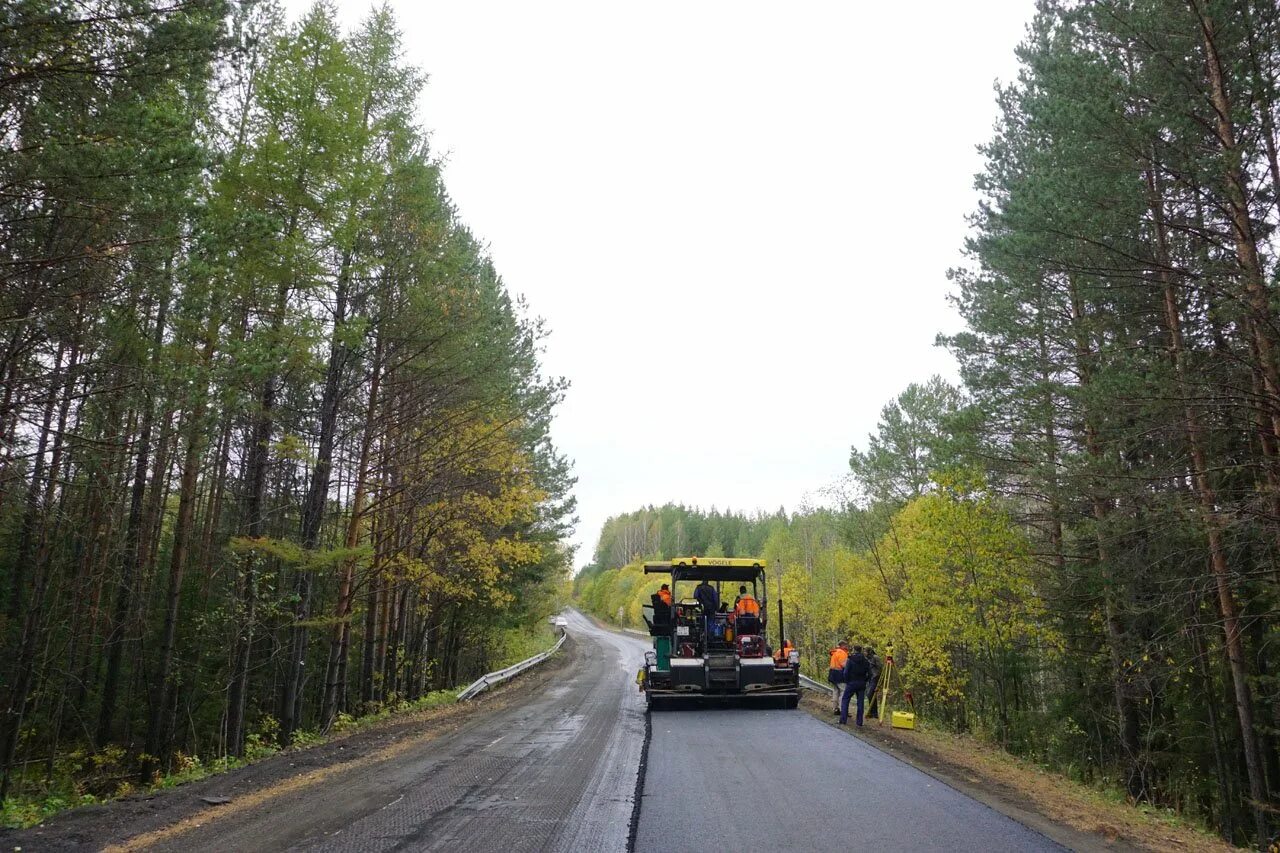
<point>635,802</point>
<point>1069,837</point>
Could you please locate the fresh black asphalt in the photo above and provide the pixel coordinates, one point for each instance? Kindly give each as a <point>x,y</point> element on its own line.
<point>740,779</point>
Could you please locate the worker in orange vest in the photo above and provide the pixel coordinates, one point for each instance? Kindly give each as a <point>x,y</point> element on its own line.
<point>784,653</point>
<point>745,603</point>
<point>835,672</point>
<point>665,594</point>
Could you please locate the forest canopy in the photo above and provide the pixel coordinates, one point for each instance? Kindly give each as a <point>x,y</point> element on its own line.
<point>274,436</point>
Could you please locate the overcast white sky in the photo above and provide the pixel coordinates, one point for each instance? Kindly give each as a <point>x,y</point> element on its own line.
<point>736,217</point>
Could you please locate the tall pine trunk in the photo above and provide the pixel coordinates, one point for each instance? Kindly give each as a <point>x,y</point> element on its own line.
<point>339,639</point>
<point>1136,780</point>
<point>131,557</point>
<point>162,684</point>
<point>314,505</point>
<point>1259,300</point>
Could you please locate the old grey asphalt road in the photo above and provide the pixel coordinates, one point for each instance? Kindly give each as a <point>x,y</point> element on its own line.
<point>557,771</point>
<point>782,780</point>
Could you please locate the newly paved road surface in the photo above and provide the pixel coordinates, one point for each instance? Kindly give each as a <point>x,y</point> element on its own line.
<point>727,779</point>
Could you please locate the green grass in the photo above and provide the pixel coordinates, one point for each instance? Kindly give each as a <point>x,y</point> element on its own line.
<point>517,644</point>
<point>21,813</point>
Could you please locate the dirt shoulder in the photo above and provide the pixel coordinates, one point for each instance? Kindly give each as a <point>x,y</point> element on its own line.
<point>132,821</point>
<point>1066,812</point>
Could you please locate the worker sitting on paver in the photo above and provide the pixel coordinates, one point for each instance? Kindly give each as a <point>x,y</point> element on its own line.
<point>665,594</point>
<point>745,603</point>
<point>783,655</point>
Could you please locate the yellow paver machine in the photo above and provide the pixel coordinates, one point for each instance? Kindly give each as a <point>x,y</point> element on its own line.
<point>709,640</point>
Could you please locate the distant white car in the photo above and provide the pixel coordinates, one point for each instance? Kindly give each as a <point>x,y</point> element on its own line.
<point>561,622</point>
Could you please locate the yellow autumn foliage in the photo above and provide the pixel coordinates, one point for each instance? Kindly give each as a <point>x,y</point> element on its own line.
<point>488,492</point>
<point>950,581</point>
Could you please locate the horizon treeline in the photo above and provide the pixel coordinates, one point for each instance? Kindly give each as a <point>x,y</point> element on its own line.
<point>613,585</point>
<point>674,530</point>
<point>274,437</point>
<point>1077,552</point>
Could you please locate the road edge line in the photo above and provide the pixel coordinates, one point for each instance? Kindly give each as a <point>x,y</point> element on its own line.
<point>634,829</point>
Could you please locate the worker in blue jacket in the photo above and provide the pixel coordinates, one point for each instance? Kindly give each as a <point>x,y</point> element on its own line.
<point>705,594</point>
<point>856,672</point>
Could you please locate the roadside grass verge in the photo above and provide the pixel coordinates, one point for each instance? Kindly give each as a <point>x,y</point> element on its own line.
<point>1105,811</point>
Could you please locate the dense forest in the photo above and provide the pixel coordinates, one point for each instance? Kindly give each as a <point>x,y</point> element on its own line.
<point>1078,549</point>
<point>273,435</point>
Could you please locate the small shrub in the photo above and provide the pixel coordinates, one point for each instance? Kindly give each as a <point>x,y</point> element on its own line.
<point>306,737</point>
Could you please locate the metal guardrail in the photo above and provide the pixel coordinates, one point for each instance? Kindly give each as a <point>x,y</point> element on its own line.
<point>809,684</point>
<point>487,680</point>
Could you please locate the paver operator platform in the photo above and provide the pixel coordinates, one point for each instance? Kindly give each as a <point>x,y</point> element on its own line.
<point>703,648</point>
